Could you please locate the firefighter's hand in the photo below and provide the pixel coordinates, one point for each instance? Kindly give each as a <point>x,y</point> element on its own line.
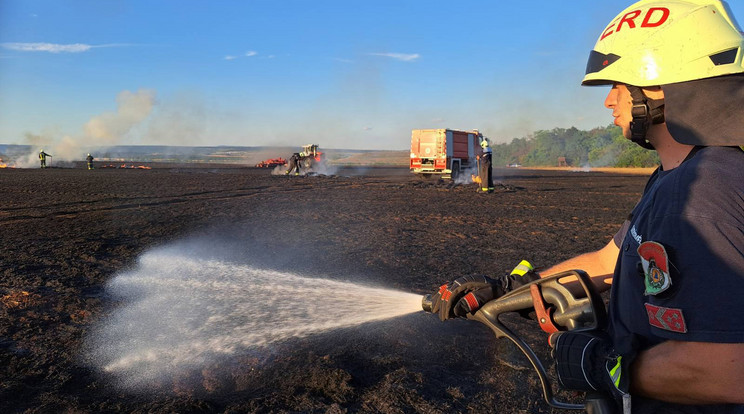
<point>465,295</point>
<point>587,361</point>
<point>521,275</point>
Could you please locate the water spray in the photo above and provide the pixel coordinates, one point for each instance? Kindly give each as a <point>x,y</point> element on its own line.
<point>178,312</point>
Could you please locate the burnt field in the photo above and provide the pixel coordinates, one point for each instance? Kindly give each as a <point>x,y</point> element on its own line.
<point>67,233</point>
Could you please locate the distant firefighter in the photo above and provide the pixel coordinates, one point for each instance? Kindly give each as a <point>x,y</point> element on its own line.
<point>294,164</point>
<point>89,160</point>
<point>42,158</point>
<point>485,173</point>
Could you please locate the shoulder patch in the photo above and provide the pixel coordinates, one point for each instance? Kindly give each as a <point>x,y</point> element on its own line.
<point>655,267</point>
<point>669,319</point>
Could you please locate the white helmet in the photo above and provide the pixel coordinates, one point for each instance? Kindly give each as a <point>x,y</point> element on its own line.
<point>687,47</point>
<point>658,42</point>
<point>484,143</point>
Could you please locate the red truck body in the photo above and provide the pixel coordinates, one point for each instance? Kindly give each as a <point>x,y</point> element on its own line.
<point>444,152</point>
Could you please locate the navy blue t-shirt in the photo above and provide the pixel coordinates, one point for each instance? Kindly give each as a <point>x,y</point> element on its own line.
<point>696,212</point>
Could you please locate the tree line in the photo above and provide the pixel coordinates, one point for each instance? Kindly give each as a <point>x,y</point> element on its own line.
<point>599,147</point>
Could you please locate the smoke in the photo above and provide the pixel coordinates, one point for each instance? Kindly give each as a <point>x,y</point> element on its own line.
<point>280,170</point>
<point>32,159</point>
<point>324,168</point>
<point>465,176</point>
<point>180,312</point>
<point>180,120</point>
<point>101,131</point>
<point>107,129</point>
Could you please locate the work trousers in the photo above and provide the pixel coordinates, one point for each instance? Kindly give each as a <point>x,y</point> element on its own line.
<point>485,173</point>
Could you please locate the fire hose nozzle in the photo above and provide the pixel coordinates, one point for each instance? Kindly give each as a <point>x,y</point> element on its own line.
<point>426,303</point>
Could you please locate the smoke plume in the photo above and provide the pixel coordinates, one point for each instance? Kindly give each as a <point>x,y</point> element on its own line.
<point>108,128</point>
<point>100,132</point>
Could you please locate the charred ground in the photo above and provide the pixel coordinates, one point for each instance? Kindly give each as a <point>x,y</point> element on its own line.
<point>66,232</point>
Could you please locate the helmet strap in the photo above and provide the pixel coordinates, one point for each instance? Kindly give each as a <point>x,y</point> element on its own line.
<point>645,113</point>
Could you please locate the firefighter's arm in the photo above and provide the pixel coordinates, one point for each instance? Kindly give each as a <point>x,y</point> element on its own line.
<point>599,265</point>
<point>690,373</point>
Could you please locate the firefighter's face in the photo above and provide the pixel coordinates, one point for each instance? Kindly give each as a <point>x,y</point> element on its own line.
<point>621,103</point>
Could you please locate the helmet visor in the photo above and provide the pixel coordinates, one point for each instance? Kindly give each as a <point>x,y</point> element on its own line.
<point>598,61</point>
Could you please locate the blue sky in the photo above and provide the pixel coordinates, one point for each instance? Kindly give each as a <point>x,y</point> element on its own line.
<point>343,74</point>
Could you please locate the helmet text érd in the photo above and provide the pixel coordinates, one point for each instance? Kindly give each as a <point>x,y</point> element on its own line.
<point>649,20</point>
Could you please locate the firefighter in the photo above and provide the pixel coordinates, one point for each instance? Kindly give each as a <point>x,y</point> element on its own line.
<point>485,173</point>
<point>294,164</point>
<point>675,339</point>
<point>42,158</point>
<point>89,161</point>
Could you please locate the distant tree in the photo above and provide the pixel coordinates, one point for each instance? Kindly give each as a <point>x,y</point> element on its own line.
<point>599,147</point>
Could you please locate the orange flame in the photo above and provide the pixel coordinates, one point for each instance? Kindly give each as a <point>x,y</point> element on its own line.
<point>127,167</point>
<point>133,167</point>
<point>476,179</point>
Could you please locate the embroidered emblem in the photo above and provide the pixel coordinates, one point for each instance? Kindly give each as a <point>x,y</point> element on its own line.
<point>655,267</point>
<point>669,319</point>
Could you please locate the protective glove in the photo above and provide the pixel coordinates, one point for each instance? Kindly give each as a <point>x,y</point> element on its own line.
<point>521,275</point>
<point>467,294</point>
<point>587,361</point>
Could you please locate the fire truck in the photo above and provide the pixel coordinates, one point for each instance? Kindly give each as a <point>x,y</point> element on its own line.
<point>444,152</point>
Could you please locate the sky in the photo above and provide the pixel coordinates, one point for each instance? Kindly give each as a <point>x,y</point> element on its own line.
<point>349,74</point>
